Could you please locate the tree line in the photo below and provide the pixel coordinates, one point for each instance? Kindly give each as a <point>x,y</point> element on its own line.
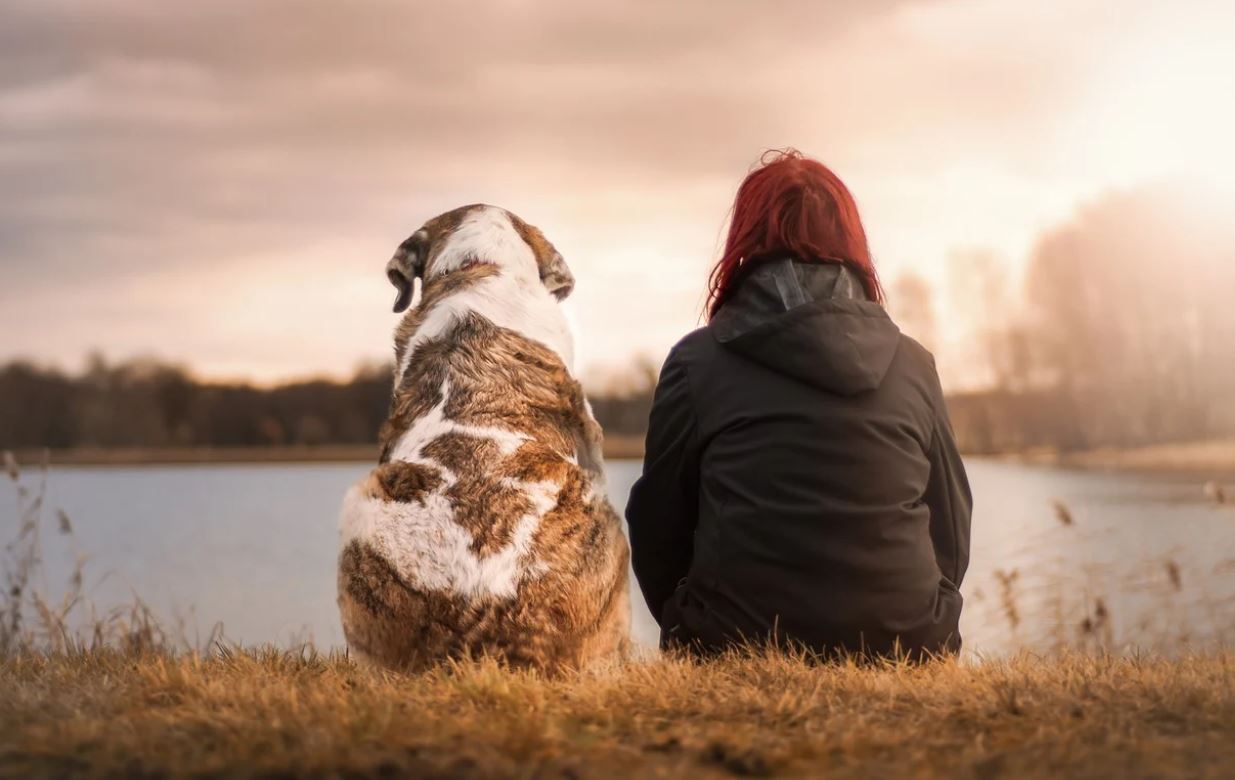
<point>1122,334</point>
<point>152,404</point>
<point>148,403</point>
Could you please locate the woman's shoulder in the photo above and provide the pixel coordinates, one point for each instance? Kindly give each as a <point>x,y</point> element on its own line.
<point>918,365</point>
<point>701,344</point>
<point>693,347</point>
<point>912,349</point>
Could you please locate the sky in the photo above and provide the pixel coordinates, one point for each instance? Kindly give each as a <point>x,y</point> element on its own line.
<point>221,183</point>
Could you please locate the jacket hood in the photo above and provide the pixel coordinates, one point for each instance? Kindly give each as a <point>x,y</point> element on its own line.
<point>811,321</point>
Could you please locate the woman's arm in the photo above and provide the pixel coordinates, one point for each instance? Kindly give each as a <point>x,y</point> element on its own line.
<point>949,498</point>
<point>664,503</point>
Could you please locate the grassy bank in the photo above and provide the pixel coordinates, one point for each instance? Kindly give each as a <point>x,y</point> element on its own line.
<point>277,714</point>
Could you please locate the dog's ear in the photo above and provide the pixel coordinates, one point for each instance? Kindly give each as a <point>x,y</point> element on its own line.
<point>554,273</point>
<point>556,276</point>
<point>408,265</point>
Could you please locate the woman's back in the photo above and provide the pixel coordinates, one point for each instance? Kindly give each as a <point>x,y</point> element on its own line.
<point>800,459</point>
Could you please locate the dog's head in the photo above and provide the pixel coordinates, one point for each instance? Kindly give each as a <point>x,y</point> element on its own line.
<point>477,234</point>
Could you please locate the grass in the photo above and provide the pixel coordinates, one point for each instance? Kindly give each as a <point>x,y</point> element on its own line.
<point>267,713</point>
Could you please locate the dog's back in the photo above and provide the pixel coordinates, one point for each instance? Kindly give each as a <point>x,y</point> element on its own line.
<point>485,529</point>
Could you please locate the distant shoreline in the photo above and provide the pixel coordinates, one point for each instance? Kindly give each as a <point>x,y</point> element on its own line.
<point>616,448</point>
<point>1214,458</point>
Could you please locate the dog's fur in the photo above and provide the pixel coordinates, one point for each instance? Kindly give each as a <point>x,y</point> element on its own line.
<point>485,528</point>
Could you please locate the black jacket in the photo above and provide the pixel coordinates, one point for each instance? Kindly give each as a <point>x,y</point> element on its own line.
<point>801,479</point>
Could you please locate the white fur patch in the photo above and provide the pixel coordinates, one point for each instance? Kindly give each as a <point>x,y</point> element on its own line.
<point>433,552</point>
<point>425,544</point>
<point>486,235</point>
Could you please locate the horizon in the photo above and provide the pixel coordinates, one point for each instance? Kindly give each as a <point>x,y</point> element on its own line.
<point>230,207</point>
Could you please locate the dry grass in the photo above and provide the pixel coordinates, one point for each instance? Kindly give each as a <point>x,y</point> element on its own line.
<point>32,621</point>
<point>278,714</point>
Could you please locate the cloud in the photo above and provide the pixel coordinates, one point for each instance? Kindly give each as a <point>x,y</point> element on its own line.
<point>154,118</point>
<point>165,165</point>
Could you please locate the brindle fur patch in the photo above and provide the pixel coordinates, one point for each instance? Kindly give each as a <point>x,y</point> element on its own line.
<point>436,289</point>
<point>552,626</point>
<point>484,505</point>
<point>407,482</point>
<point>541,248</point>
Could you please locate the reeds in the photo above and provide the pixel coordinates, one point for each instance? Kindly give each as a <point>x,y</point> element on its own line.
<point>1061,602</point>
<point>1216,493</point>
<point>31,621</point>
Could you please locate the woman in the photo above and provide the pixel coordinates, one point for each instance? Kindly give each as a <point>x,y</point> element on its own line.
<point>801,481</point>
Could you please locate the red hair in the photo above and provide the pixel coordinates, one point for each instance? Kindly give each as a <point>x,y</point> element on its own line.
<point>792,205</point>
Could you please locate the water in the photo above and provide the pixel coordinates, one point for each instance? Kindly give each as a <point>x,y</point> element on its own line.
<point>254,546</point>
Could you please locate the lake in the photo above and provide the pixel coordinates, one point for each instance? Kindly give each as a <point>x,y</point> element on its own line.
<point>1147,561</point>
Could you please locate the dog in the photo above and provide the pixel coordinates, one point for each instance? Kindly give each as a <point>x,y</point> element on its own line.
<point>485,529</point>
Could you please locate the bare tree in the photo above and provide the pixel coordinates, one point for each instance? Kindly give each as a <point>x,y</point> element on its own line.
<point>1132,317</point>
<point>912,304</point>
